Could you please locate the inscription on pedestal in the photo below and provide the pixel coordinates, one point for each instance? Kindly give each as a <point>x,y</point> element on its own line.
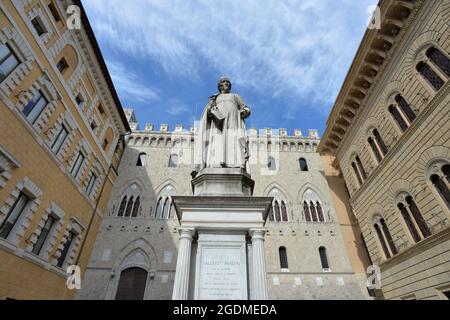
<point>221,275</point>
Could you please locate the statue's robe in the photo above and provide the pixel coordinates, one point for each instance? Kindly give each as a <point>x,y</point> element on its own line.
<point>222,143</point>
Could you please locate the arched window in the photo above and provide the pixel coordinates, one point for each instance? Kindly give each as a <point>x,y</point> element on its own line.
<point>418,217</point>
<point>136,207</point>
<point>393,110</point>
<point>441,182</point>
<point>430,75</point>
<point>388,236</point>
<point>172,211</point>
<point>405,107</point>
<point>164,208</point>
<point>380,141</point>
<point>324,258</point>
<point>122,207</point>
<point>306,211</point>
<point>356,171</point>
<point>409,223</point>
<point>129,207</point>
<point>361,167</point>
<point>382,241</point>
<point>271,164</point>
<point>283,258</point>
<point>131,284</point>
<point>375,150</point>
<point>439,59</point>
<point>141,160</point>
<point>303,164</point>
<point>312,209</point>
<point>277,211</point>
<point>320,212</point>
<point>173,161</point>
<point>284,214</point>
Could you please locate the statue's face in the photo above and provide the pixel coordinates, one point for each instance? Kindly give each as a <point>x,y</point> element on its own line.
<point>225,86</point>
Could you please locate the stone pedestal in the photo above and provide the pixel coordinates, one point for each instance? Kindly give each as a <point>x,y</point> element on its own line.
<point>223,182</point>
<point>224,227</point>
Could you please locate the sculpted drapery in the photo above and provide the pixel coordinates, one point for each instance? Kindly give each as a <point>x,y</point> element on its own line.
<point>221,137</point>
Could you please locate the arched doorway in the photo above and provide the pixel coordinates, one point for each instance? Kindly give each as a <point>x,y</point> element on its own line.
<point>131,284</point>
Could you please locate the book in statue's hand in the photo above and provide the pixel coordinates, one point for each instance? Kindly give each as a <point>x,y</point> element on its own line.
<point>218,115</point>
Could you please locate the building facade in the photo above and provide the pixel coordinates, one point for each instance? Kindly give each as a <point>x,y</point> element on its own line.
<point>60,126</point>
<point>389,130</point>
<point>313,247</point>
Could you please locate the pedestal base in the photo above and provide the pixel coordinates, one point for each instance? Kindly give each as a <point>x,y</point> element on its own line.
<point>233,182</point>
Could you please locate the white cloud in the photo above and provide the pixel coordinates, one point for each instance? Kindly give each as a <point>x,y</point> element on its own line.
<point>301,49</point>
<point>129,85</point>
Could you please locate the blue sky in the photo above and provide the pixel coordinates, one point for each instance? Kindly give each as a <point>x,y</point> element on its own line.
<point>286,58</point>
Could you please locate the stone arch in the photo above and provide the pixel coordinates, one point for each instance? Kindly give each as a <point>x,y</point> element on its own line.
<point>70,55</point>
<point>416,51</point>
<point>109,137</point>
<point>138,245</point>
<point>377,211</point>
<point>429,156</point>
<point>369,124</point>
<point>274,185</point>
<point>280,205</point>
<point>390,91</point>
<point>397,188</point>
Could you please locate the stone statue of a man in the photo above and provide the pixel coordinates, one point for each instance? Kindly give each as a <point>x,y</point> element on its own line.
<point>221,139</point>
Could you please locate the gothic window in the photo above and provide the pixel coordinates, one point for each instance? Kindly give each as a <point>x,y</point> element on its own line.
<point>141,160</point>
<point>306,211</point>
<point>320,212</point>
<point>406,108</point>
<point>164,206</point>
<point>278,211</point>
<point>382,241</point>
<point>303,164</point>
<point>167,205</point>
<point>430,75</point>
<point>35,107</point>
<point>284,214</point>
<point>374,148</point>
<point>13,215</point>
<point>122,207</point>
<point>283,258</point>
<point>136,207</point>
<point>129,207</point>
<point>312,209</point>
<point>159,208</point>
<point>324,258</point>
<point>380,142</point>
<point>418,217</point>
<point>393,110</point>
<point>132,284</point>
<point>8,61</point>
<point>439,59</point>
<point>173,161</point>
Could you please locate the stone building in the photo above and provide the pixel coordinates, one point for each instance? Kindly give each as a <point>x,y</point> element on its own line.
<point>60,125</point>
<point>313,247</point>
<point>389,130</point>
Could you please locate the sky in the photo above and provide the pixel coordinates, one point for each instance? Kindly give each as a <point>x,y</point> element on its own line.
<point>286,58</point>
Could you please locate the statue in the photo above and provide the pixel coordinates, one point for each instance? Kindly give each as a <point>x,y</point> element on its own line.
<point>221,141</point>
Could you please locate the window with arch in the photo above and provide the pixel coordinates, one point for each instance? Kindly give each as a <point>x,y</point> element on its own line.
<point>141,160</point>
<point>358,169</point>
<point>283,258</point>
<point>164,206</point>
<point>303,164</point>
<point>384,237</point>
<point>130,205</point>
<point>312,207</point>
<point>278,211</point>
<point>402,112</point>
<point>173,160</point>
<point>324,259</point>
<point>413,218</point>
<point>271,164</point>
<point>440,179</point>
<point>436,69</point>
<point>131,284</point>
<point>377,145</point>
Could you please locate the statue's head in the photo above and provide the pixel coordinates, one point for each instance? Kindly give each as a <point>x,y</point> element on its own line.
<point>224,85</point>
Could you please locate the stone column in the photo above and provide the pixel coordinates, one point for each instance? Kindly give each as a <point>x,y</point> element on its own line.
<point>259,290</point>
<point>181,283</point>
